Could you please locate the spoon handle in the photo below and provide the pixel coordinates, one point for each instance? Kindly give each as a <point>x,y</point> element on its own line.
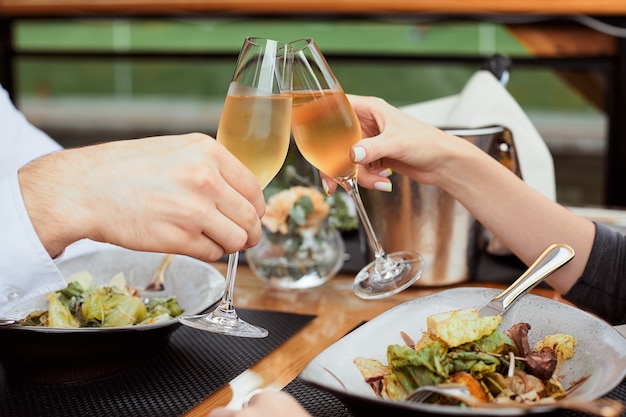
<point>156,283</point>
<point>554,257</point>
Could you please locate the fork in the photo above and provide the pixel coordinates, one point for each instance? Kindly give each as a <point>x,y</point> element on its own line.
<point>456,391</point>
<point>603,407</point>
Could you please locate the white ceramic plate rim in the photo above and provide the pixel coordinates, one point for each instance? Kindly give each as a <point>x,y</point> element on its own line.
<point>594,336</point>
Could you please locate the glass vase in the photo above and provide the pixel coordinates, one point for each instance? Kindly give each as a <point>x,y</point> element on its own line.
<point>306,257</point>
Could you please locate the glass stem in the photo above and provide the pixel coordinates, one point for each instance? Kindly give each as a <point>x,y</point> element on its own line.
<point>227,306</point>
<point>352,188</point>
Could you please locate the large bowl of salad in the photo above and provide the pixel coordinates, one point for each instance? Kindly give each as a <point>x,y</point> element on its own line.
<point>104,320</point>
<point>438,339</point>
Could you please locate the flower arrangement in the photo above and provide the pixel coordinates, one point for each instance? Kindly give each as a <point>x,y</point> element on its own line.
<point>301,246</point>
<point>294,208</point>
<point>304,206</point>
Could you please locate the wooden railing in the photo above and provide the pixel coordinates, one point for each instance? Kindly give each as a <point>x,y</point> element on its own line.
<point>552,7</point>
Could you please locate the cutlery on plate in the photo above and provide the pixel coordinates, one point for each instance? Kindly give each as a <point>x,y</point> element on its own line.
<point>554,257</point>
<point>8,321</point>
<point>156,283</point>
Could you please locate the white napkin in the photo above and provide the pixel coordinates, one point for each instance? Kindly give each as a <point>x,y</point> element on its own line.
<point>483,102</point>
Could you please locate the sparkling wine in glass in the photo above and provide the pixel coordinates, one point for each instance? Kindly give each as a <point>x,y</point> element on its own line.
<point>325,127</point>
<point>255,127</point>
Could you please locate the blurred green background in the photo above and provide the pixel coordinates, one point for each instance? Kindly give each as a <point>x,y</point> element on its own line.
<point>85,100</point>
<point>399,83</point>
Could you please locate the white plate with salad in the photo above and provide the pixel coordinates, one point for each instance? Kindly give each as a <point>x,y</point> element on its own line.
<point>597,366</point>
<point>41,353</point>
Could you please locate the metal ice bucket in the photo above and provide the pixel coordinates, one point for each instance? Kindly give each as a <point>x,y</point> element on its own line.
<point>426,219</point>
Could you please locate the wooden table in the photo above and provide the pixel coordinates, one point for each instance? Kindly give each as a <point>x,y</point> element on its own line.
<point>338,311</point>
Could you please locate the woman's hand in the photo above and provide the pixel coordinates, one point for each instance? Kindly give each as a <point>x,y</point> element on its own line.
<point>394,141</point>
<point>397,142</point>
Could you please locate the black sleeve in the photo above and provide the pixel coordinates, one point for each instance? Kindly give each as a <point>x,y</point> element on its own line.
<point>602,288</point>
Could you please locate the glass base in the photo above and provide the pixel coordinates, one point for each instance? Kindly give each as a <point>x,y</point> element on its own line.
<point>394,273</point>
<point>227,323</point>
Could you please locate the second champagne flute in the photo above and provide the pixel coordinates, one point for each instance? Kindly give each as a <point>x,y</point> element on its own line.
<point>325,127</point>
<point>255,127</point>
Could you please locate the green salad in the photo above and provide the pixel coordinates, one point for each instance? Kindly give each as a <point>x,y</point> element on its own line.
<point>84,304</point>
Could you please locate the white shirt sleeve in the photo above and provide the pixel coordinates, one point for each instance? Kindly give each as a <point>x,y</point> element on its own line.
<point>26,269</point>
<point>20,141</point>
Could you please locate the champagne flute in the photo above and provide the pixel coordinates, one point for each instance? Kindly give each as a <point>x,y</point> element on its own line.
<point>325,127</point>
<point>255,127</point>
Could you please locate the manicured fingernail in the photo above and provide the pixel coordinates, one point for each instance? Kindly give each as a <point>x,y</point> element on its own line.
<point>325,186</point>
<point>383,186</point>
<point>359,153</point>
<point>386,173</point>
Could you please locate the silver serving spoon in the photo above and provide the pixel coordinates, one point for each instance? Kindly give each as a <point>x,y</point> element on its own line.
<point>554,257</point>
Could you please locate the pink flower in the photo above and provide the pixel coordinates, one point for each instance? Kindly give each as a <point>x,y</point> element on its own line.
<point>278,207</point>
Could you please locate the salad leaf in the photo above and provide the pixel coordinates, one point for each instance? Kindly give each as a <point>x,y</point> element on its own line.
<point>59,315</point>
<point>72,296</point>
<point>126,310</point>
<point>106,307</point>
<point>432,362</point>
<point>169,306</point>
<point>82,304</point>
<point>410,369</point>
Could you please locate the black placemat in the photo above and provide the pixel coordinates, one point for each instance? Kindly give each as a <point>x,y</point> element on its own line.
<point>188,369</point>
<point>317,402</point>
<point>320,403</point>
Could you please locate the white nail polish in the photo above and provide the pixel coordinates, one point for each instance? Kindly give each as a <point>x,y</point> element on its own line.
<point>325,186</point>
<point>386,173</point>
<point>383,186</point>
<point>359,154</point>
